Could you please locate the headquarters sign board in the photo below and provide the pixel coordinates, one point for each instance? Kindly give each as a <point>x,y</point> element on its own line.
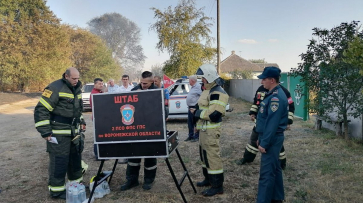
<point>133,121</point>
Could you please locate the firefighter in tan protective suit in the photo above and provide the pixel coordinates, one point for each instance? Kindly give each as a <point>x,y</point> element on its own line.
<point>209,111</point>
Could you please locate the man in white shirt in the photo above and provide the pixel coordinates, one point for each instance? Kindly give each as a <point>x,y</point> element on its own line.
<point>192,100</point>
<point>125,87</point>
<point>112,87</point>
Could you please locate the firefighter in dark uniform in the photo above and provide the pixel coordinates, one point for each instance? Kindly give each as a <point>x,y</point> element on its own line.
<point>210,109</point>
<point>58,115</point>
<point>251,148</point>
<point>272,120</point>
<point>150,164</point>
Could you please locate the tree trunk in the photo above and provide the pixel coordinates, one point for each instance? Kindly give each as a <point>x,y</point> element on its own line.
<point>338,129</point>
<point>345,121</point>
<point>318,123</point>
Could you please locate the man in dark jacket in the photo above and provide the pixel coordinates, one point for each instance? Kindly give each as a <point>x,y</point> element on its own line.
<point>58,118</point>
<point>251,148</point>
<point>150,164</point>
<point>271,123</point>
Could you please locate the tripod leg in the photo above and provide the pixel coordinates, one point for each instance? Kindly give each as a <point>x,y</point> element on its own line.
<point>113,171</point>
<point>185,169</point>
<point>175,180</point>
<point>95,181</point>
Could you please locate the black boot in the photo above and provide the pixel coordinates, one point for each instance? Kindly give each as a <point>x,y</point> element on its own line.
<point>248,157</point>
<point>205,182</point>
<point>58,195</point>
<point>132,176</point>
<point>148,183</point>
<point>216,181</point>
<point>283,163</point>
<point>129,184</point>
<point>149,174</point>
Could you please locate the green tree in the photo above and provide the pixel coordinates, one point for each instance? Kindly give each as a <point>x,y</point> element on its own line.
<point>336,82</point>
<point>91,56</point>
<point>122,36</point>
<point>184,33</point>
<point>33,45</point>
<point>241,74</point>
<point>354,53</point>
<point>157,70</point>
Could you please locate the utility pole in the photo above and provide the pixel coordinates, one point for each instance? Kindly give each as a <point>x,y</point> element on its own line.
<point>218,42</point>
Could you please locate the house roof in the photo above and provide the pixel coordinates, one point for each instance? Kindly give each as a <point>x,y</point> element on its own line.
<point>263,65</point>
<point>234,62</point>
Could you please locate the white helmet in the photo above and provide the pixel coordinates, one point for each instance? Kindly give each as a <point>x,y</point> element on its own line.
<point>208,71</point>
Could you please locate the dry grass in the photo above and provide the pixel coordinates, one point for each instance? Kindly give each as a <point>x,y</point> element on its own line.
<point>320,167</point>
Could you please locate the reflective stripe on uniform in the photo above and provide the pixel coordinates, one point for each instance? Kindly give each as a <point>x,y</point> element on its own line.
<point>61,132</point>
<point>204,166</point>
<point>46,104</point>
<point>252,149</point>
<point>218,102</point>
<point>79,96</point>
<point>282,155</point>
<point>208,126</point>
<point>63,94</point>
<point>203,107</point>
<point>133,164</point>
<point>77,180</point>
<point>215,171</point>
<point>291,115</point>
<point>57,189</point>
<point>254,108</point>
<point>150,168</point>
<point>40,123</point>
<point>202,114</point>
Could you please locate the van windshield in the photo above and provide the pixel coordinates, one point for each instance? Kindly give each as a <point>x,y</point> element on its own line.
<point>87,88</point>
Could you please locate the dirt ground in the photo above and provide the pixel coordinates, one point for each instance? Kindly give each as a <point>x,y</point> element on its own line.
<point>320,167</point>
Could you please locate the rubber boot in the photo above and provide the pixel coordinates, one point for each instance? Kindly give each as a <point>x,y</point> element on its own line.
<point>248,157</point>
<point>282,157</point>
<point>149,179</point>
<point>205,182</point>
<point>58,195</point>
<point>283,163</point>
<point>132,176</point>
<point>216,181</point>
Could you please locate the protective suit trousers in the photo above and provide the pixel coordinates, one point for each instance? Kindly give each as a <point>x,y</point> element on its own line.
<point>64,158</point>
<point>270,185</point>
<point>252,149</point>
<point>133,169</point>
<point>209,150</point>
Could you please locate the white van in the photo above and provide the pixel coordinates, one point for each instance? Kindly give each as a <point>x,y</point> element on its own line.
<point>178,108</point>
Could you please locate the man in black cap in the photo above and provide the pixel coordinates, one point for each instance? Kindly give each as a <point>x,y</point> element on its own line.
<point>251,149</point>
<point>271,123</point>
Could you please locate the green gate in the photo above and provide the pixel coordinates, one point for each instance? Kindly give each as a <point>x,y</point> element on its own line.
<point>299,94</point>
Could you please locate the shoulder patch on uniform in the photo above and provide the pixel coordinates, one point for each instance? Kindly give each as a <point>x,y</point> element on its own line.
<point>274,106</point>
<point>214,97</point>
<point>275,99</point>
<point>261,109</point>
<point>47,93</point>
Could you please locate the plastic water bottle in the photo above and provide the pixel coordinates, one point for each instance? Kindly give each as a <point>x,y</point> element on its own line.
<point>106,187</point>
<point>69,193</point>
<point>97,193</point>
<point>82,193</point>
<point>75,193</point>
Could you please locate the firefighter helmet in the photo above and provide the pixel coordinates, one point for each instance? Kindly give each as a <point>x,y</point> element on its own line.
<point>208,71</point>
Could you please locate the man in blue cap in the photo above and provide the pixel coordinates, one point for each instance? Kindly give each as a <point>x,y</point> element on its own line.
<point>271,123</point>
